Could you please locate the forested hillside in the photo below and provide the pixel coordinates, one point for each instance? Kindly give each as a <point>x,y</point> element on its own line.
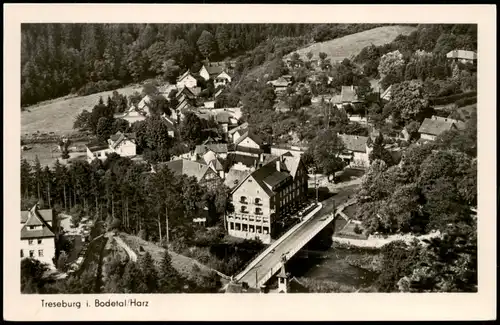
<point>58,59</point>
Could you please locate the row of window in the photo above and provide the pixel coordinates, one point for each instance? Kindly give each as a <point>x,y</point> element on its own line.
<point>245,210</point>
<point>32,253</point>
<point>248,228</point>
<point>32,241</point>
<point>245,200</point>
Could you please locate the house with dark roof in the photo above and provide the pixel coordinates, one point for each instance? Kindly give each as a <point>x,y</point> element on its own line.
<point>272,191</point>
<point>205,175</point>
<point>214,69</point>
<point>356,150</point>
<point>97,150</point>
<point>249,143</point>
<point>37,235</point>
<point>123,144</point>
<point>432,127</point>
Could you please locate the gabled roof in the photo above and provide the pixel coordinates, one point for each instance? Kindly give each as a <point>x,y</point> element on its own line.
<point>234,158</point>
<point>348,94</point>
<point>235,176</point>
<point>436,126</point>
<point>462,54</point>
<point>188,92</point>
<point>214,69</point>
<point>223,74</point>
<point>35,217</point>
<point>119,137</point>
<point>249,134</point>
<point>184,75</point>
<point>238,288</point>
<point>169,123</point>
<point>355,143</point>
<point>280,82</point>
<point>387,93</point>
<point>215,147</point>
<point>97,146</point>
<point>241,127</point>
<point>188,168</point>
<point>218,92</point>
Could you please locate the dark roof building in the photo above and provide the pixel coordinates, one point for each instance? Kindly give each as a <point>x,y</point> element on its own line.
<point>436,125</point>
<point>36,223</point>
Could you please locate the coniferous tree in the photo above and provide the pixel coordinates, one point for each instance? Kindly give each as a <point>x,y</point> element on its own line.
<point>149,272</point>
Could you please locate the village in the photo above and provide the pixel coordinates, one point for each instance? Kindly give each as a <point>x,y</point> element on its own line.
<point>310,146</point>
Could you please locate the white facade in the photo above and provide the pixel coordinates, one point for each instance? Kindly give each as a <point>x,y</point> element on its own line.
<point>426,136</point>
<point>248,143</point>
<point>99,154</point>
<point>188,81</point>
<point>126,148</point>
<point>204,73</point>
<point>222,79</point>
<point>42,249</point>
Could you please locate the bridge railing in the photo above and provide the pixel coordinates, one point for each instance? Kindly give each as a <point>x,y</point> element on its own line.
<point>276,243</point>
<point>294,250</point>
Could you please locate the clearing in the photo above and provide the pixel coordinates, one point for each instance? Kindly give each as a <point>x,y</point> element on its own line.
<point>350,45</point>
<point>58,115</point>
<point>184,265</point>
<point>48,153</point>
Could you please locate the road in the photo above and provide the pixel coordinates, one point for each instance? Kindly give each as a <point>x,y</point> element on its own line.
<point>131,254</point>
<point>256,273</point>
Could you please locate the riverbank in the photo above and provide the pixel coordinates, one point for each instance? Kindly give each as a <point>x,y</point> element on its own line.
<point>378,241</point>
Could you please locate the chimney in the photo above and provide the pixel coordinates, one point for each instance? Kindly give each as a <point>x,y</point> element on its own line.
<point>278,165</point>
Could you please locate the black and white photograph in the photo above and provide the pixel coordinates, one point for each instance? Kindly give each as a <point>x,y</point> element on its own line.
<point>247,158</point>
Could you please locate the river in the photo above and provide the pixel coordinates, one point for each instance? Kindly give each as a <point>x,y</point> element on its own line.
<point>332,265</point>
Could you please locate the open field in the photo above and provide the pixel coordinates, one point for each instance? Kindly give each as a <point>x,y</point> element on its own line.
<point>184,265</point>
<point>48,153</point>
<point>58,115</point>
<point>350,45</point>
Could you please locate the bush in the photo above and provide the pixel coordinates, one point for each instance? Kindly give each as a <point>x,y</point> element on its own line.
<point>466,101</point>
<point>96,87</point>
<point>357,230</point>
<point>450,99</point>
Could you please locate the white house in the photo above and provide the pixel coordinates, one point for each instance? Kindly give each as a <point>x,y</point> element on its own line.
<point>186,80</point>
<point>99,150</point>
<point>222,79</point>
<point>133,114</point>
<point>124,144</point>
<point>357,150</point>
<point>37,235</point>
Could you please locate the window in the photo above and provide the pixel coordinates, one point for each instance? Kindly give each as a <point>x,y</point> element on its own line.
<point>244,227</point>
<point>39,241</point>
<point>238,226</point>
<point>22,253</point>
<point>266,230</point>
<point>30,242</point>
<point>257,201</point>
<point>231,225</point>
<point>32,253</point>
<point>259,229</point>
<point>40,252</point>
<point>31,227</point>
<point>243,199</point>
<point>252,228</point>
<point>244,209</point>
<point>258,211</point>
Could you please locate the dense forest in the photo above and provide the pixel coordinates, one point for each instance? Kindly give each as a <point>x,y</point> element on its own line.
<point>58,59</point>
